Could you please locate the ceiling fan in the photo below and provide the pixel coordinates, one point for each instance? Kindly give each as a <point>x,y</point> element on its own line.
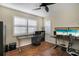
<point>45,5</point>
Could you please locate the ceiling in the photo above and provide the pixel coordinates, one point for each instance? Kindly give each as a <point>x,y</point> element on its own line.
<point>29,8</point>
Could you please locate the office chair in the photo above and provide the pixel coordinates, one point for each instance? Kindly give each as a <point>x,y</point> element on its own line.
<point>36,40</point>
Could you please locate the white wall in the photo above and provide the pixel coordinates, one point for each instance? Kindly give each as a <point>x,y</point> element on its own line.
<point>65,15</point>
<point>7,15</point>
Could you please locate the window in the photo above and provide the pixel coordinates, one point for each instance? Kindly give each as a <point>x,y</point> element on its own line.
<point>32,26</point>
<point>20,26</point>
<point>47,25</point>
<point>23,26</point>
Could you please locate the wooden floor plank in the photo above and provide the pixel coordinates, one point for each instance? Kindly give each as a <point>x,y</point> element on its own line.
<point>45,49</point>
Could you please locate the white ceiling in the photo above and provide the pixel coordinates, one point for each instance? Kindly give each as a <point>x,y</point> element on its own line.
<point>29,8</point>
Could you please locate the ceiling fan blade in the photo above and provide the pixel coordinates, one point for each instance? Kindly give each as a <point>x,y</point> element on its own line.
<point>37,8</point>
<point>44,4</point>
<point>49,3</point>
<point>46,8</point>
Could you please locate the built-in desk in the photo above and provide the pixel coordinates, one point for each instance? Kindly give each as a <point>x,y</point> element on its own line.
<point>22,37</point>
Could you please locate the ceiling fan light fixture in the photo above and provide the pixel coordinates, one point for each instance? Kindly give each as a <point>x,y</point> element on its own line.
<point>44,5</point>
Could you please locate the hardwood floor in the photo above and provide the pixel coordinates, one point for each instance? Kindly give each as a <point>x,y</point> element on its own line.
<point>45,49</point>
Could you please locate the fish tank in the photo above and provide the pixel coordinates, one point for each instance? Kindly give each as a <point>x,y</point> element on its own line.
<point>66,31</point>
<point>74,32</point>
<point>61,32</point>
<point>77,33</point>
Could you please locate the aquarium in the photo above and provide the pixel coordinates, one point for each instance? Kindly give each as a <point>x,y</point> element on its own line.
<point>77,33</point>
<point>72,32</point>
<point>61,32</point>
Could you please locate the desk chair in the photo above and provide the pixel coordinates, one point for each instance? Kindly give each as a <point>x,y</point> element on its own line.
<point>36,40</point>
<point>38,37</point>
<point>42,33</point>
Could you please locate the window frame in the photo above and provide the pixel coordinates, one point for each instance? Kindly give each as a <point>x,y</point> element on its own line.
<point>45,26</point>
<point>23,26</point>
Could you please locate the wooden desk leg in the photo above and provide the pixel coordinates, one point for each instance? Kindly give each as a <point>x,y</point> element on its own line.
<point>56,44</point>
<point>19,48</point>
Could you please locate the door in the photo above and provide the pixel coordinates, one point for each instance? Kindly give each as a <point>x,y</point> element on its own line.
<point>1,38</point>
